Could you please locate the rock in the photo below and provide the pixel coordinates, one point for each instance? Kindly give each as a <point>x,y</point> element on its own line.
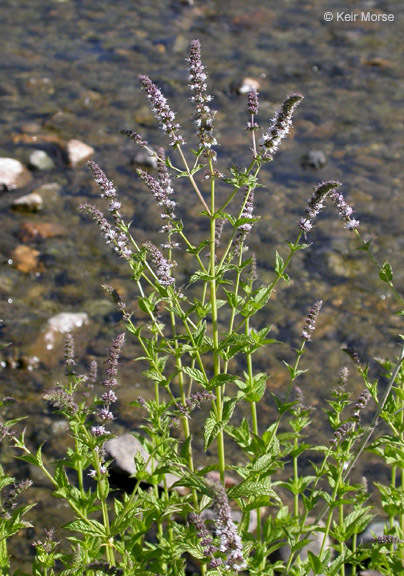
<point>25,259</point>
<point>122,451</point>
<point>246,85</point>
<point>29,203</point>
<point>40,160</point>
<point>370,573</point>
<point>78,152</point>
<point>40,230</point>
<point>315,159</point>
<point>145,158</point>
<point>62,324</point>
<point>50,193</point>
<point>13,174</point>
<point>374,530</point>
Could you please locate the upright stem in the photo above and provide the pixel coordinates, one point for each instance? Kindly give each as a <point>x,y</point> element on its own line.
<point>215,328</point>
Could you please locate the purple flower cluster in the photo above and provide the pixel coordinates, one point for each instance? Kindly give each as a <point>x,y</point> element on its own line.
<point>344,210</point>
<point>49,544</point>
<point>247,210</point>
<point>341,432</point>
<point>162,111</point>
<point>205,538</point>
<point>195,401</point>
<point>135,137</point>
<point>230,542</point>
<point>316,204</point>
<point>110,383</point>
<point>311,320</point>
<point>252,108</point>
<point>280,125</point>
<point>162,190</point>
<point>69,353</point>
<point>62,400</point>
<point>10,500</point>
<point>361,403</point>
<point>112,233</point>
<point>204,116</point>
<point>161,264</point>
<point>116,297</point>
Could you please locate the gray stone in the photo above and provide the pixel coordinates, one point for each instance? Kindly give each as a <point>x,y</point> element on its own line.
<point>29,203</point>
<point>315,159</point>
<point>13,174</point>
<point>145,158</point>
<point>123,449</point>
<point>40,160</point>
<point>78,152</point>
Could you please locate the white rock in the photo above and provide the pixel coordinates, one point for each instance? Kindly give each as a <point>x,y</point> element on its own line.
<point>13,174</point>
<point>40,160</point>
<point>247,84</point>
<point>29,203</point>
<point>62,324</point>
<point>78,152</point>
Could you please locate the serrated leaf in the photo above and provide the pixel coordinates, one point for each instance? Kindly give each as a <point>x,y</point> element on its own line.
<point>252,488</point>
<point>195,374</point>
<point>90,527</point>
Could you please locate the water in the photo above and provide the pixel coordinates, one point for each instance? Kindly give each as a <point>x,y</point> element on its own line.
<point>70,71</point>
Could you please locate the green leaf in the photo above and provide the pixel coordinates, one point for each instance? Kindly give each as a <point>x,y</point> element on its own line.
<point>90,527</point>
<point>386,272</point>
<point>220,380</point>
<point>249,488</point>
<point>195,374</point>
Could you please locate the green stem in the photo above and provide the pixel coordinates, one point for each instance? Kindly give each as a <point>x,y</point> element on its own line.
<point>215,328</point>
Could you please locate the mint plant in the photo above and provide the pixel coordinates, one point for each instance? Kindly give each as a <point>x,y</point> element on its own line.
<point>267,514</point>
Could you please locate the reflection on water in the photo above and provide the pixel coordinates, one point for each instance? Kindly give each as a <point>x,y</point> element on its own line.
<point>71,72</point>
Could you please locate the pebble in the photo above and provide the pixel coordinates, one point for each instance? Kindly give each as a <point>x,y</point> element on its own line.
<point>78,152</point>
<point>315,159</point>
<point>62,324</point>
<point>13,174</point>
<point>246,85</point>
<point>40,160</point>
<point>25,258</point>
<point>40,230</point>
<point>145,158</point>
<point>29,203</point>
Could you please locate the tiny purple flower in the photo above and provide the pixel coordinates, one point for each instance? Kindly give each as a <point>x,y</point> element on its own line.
<point>280,125</point>
<point>162,111</point>
<point>311,320</point>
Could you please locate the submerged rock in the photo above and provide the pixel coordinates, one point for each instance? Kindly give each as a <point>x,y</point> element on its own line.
<point>25,258</point>
<point>315,159</point>
<point>246,85</point>
<point>78,152</point>
<point>13,174</point>
<point>40,160</point>
<point>122,450</point>
<point>62,324</point>
<point>144,158</point>
<point>40,230</point>
<point>29,203</point>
